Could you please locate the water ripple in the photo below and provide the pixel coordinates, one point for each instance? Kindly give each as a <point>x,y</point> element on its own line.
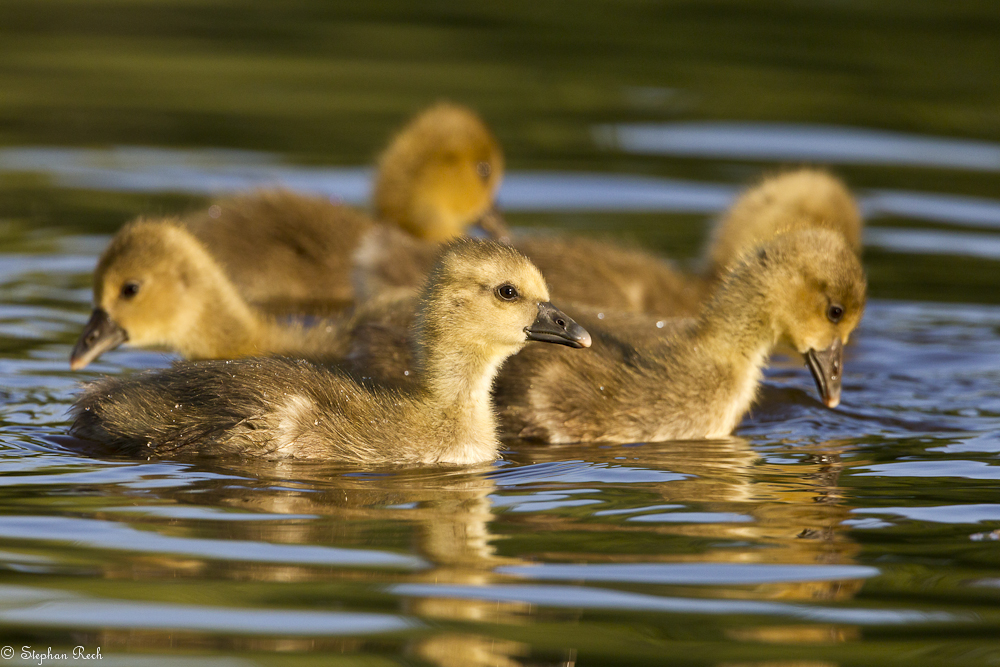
<point>97,534</point>
<point>691,573</point>
<point>578,597</point>
<point>800,142</point>
<point>41,608</point>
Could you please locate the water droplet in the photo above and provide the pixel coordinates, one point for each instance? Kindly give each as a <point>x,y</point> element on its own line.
<point>600,316</point>
<point>214,211</point>
<point>659,324</point>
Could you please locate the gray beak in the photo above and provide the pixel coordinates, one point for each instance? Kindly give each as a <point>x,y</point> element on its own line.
<point>100,335</point>
<point>826,368</point>
<point>554,326</point>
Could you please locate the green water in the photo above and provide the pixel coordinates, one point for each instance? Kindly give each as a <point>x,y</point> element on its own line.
<point>815,538</point>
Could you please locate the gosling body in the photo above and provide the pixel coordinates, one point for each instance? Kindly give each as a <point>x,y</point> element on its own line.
<point>482,303</point>
<point>803,288</point>
<point>616,276</point>
<point>291,253</point>
<point>285,252</point>
<point>650,378</point>
<point>604,274</point>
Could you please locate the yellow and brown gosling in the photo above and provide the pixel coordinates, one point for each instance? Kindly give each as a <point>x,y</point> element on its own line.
<point>290,253</point>
<point>284,252</point>
<point>157,286</point>
<point>482,303</point>
<point>440,174</point>
<point>806,198</point>
<point>803,288</point>
<point>586,271</point>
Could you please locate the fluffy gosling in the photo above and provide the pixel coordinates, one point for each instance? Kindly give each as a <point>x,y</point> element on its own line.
<point>157,286</point>
<point>482,303</point>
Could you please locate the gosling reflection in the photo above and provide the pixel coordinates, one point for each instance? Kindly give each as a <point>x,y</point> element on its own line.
<point>678,503</point>
<point>441,516</point>
<point>733,506</point>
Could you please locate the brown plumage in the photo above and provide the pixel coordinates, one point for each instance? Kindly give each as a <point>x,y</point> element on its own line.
<point>483,301</point>
<point>607,275</point>
<point>799,199</point>
<point>290,253</point>
<point>803,288</point>
<point>654,379</point>
<point>285,252</point>
<point>616,276</point>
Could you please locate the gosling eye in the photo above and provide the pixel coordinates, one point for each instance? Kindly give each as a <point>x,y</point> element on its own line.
<point>507,292</point>
<point>834,312</point>
<point>484,169</point>
<point>130,289</point>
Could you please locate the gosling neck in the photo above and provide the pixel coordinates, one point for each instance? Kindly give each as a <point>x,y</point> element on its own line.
<point>737,322</point>
<point>226,326</point>
<point>457,372</point>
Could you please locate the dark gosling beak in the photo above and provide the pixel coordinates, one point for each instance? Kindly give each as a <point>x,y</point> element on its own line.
<point>100,335</point>
<point>826,368</point>
<point>554,326</point>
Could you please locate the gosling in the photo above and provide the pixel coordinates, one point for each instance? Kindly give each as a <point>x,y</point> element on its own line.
<point>441,174</point>
<point>607,275</point>
<point>290,253</point>
<point>156,285</point>
<point>799,199</point>
<point>805,288</point>
<point>482,302</point>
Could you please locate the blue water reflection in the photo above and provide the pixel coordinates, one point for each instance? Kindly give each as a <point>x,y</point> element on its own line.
<point>211,172</point>
<point>799,142</point>
<point>595,598</point>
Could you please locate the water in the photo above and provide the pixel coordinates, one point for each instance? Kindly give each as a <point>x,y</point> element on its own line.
<point>813,538</point>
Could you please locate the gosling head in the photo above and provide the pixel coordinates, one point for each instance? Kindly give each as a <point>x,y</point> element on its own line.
<point>440,174</point>
<point>799,199</point>
<point>815,289</point>
<point>150,288</point>
<point>490,299</point>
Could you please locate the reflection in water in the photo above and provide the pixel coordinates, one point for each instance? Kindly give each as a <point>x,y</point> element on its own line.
<point>943,208</point>
<point>791,513</point>
<point>830,144</point>
<point>432,546</point>
<point>937,242</point>
<point>33,607</point>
